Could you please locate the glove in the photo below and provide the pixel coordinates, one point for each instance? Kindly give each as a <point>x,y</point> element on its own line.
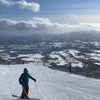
<point>20,82</point>
<point>35,80</point>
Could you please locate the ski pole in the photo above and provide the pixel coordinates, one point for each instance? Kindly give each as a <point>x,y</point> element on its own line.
<point>37,90</point>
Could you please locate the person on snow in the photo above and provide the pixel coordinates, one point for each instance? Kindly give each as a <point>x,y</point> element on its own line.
<point>24,80</point>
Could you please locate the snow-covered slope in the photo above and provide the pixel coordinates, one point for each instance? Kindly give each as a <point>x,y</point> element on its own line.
<point>52,84</point>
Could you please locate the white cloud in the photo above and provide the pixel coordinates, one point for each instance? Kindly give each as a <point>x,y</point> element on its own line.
<point>40,20</point>
<point>43,25</point>
<point>7,2</point>
<point>77,18</point>
<point>35,7</point>
<point>29,5</point>
<point>84,18</point>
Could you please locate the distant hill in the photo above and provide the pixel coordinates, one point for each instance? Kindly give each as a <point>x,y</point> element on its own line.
<point>73,36</point>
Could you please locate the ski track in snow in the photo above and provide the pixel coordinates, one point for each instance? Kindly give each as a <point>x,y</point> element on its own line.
<point>52,84</point>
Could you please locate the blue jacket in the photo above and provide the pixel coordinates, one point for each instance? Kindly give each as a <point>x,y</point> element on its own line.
<point>24,79</point>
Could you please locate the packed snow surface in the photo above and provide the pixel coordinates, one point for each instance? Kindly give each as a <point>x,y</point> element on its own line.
<point>51,84</point>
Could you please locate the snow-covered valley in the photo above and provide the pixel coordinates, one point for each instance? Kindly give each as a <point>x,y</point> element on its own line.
<point>83,57</point>
<point>51,84</point>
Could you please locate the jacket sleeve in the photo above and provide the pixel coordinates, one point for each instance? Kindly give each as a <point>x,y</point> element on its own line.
<point>32,78</point>
<point>20,79</point>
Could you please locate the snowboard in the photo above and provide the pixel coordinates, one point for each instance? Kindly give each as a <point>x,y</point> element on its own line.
<point>18,98</point>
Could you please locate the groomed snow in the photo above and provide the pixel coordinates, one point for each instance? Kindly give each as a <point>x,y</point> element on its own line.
<point>52,84</point>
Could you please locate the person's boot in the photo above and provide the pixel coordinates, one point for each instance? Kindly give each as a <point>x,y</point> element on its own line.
<point>22,97</point>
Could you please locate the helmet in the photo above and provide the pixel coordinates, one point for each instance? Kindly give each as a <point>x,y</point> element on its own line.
<point>25,70</point>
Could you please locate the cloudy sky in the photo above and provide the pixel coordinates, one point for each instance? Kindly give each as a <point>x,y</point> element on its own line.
<point>23,17</point>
